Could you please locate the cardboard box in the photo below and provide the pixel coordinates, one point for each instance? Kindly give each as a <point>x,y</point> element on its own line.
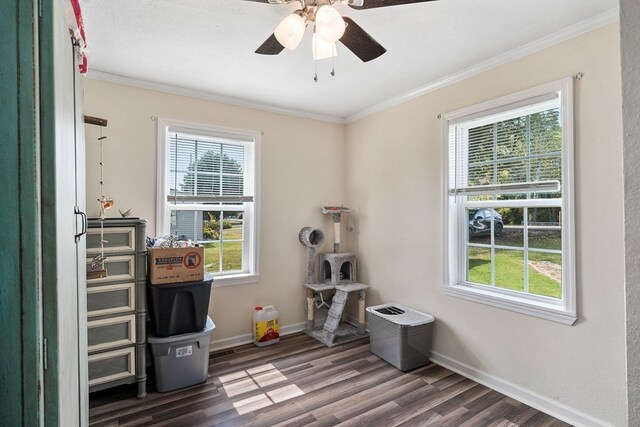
<point>175,265</point>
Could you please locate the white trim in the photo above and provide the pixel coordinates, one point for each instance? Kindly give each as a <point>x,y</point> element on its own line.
<point>225,343</point>
<point>162,166</point>
<point>234,279</point>
<point>569,281</point>
<point>515,203</point>
<point>257,199</point>
<point>163,159</point>
<point>511,99</point>
<point>563,35</point>
<point>523,305</point>
<point>251,251</point>
<point>535,104</point>
<point>528,397</point>
<point>445,258</point>
<point>517,187</point>
<point>454,229</point>
<point>207,96</point>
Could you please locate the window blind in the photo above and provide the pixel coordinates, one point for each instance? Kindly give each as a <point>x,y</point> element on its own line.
<point>498,154</point>
<point>209,169</point>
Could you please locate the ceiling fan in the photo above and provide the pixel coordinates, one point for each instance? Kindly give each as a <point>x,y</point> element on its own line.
<point>329,27</point>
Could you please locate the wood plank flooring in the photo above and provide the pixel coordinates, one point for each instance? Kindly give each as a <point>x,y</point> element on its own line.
<point>300,382</point>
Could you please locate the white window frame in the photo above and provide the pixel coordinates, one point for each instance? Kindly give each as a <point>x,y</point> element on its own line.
<point>251,217</point>
<point>558,310</point>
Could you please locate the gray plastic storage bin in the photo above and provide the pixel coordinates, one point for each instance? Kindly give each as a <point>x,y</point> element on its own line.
<point>400,335</point>
<point>181,360</point>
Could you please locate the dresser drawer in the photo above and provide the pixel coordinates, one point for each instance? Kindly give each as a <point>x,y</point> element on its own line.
<point>119,267</point>
<point>111,332</point>
<point>118,239</point>
<point>112,365</point>
<point>111,299</point>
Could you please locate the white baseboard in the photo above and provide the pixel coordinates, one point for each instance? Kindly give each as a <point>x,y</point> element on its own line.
<point>535,400</point>
<point>217,345</point>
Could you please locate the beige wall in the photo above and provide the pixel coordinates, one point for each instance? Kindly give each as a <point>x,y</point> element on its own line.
<point>390,177</point>
<point>630,47</point>
<point>393,184</point>
<point>302,169</point>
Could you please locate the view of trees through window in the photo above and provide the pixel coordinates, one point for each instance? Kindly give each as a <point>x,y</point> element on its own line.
<point>215,173</point>
<point>516,247</point>
<point>211,171</point>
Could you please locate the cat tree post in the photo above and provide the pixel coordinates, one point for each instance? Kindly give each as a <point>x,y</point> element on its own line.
<point>311,239</point>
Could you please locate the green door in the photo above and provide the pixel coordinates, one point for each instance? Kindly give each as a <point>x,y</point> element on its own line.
<point>20,256</point>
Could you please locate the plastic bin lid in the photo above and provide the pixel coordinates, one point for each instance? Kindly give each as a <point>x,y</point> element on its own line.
<point>208,329</point>
<point>400,314</point>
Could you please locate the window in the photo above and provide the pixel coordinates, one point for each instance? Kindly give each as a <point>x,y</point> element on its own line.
<point>508,203</point>
<point>208,193</point>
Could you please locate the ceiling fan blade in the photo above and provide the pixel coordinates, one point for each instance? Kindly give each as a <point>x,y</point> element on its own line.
<point>360,42</point>
<point>271,46</point>
<point>371,4</point>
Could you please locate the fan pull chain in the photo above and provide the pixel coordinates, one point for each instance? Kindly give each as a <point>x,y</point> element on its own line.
<point>315,68</point>
<point>315,71</point>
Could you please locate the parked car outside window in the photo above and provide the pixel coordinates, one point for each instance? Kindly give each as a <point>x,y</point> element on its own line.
<point>480,222</point>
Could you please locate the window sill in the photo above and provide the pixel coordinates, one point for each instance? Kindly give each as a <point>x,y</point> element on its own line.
<point>234,279</point>
<point>548,311</point>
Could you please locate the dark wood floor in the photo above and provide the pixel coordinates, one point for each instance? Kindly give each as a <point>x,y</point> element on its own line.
<point>301,382</point>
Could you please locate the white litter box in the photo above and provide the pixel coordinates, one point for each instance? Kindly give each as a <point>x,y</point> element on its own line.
<point>181,360</point>
<point>400,335</point>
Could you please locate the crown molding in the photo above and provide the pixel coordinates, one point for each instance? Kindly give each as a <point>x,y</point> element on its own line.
<point>565,34</point>
<point>575,30</point>
<point>206,96</point>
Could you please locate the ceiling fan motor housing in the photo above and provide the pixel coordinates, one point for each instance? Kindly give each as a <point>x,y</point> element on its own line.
<point>330,25</point>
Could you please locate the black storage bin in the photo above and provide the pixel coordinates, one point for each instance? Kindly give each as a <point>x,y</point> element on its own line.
<point>179,308</point>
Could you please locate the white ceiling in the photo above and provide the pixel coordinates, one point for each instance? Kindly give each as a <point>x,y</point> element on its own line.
<point>208,46</point>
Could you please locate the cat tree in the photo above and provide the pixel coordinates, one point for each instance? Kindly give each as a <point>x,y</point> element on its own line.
<point>337,272</point>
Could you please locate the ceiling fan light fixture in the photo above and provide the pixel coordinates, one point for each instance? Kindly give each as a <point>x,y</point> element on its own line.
<point>322,49</point>
<point>289,32</point>
<point>329,23</point>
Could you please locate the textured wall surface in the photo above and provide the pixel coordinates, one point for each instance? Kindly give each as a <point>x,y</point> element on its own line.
<point>630,47</point>
<point>394,189</point>
<point>301,169</point>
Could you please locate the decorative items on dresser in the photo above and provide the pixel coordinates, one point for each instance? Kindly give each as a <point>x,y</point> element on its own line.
<point>116,304</point>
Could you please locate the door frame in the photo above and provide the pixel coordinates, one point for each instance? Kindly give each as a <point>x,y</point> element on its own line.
<point>53,66</point>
